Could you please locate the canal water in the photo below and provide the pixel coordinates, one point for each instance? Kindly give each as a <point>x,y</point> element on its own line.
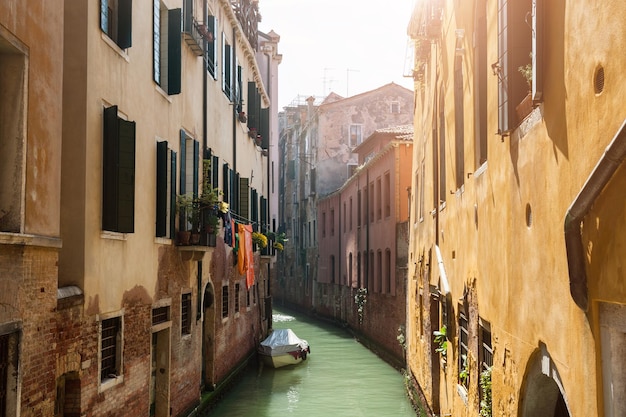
<point>339,378</point>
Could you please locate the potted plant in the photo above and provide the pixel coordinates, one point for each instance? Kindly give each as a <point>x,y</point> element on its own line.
<point>526,105</point>
<point>190,217</point>
<point>259,240</point>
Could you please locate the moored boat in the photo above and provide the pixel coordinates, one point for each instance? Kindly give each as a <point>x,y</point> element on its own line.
<point>282,347</point>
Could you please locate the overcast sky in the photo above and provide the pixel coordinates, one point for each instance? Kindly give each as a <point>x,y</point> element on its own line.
<point>344,46</point>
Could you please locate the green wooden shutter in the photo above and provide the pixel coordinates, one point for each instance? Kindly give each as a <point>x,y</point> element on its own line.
<point>109,169</point>
<point>225,183</point>
<point>183,163</point>
<point>196,167</point>
<point>234,190</point>
<point>211,50</point>
<point>173,51</point>
<point>252,120</point>
<point>215,160</point>
<point>173,194</point>
<point>125,23</point>
<point>126,201</point>
<point>265,128</point>
<point>244,197</point>
<point>161,189</point>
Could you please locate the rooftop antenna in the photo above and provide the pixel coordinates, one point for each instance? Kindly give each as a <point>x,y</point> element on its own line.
<point>348,80</point>
<point>327,80</point>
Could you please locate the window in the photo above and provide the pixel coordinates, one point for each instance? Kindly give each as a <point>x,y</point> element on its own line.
<point>459,123</point>
<point>355,135</point>
<point>237,297</point>
<point>13,73</point>
<point>189,171</point>
<point>332,269</point>
<point>463,348</point>
<point>349,269</point>
<point>352,169</point>
<point>116,21</point>
<point>185,314</point>
<point>9,348</point>
<point>167,47</point>
<point>395,107</point>
<point>323,224</point>
<point>110,348</point>
<point>387,277</point>
<point>442,148</point>
<point>480,85</point>
<point>358,208</point>
<point>387,197</point>
<point>118,194</point>
<point>344,220</point>
<point>211,50</point>
<point>165,190</point>
<point>372,196</point>
<point>379,271</point>
<point>332,222</point>
<point>350,213</point>
<point>379,199</point>
<point>225,301</point>
<point>160,315</point>
<point>227,57</point>
<point>514,51</point>
<point>243,207</point>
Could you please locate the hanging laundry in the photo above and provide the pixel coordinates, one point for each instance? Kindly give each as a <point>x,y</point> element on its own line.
<point>228,228</point>
<point>249,256</point>
<point>241,254</point>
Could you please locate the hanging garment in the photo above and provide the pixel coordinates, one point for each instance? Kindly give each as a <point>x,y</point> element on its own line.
<point>241,254</point>
<point>228,228</point>
<point>249,257</point>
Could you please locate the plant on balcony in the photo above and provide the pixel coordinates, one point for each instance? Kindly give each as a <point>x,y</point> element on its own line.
<point>278,239</point>
<point>485,389</point>
<point>441,339</point>
<point>186,205</point>
<point>259,240</point>
<point>360,299</point>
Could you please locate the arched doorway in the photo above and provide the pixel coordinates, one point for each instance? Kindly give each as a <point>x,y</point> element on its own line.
<point>208,336</point>
<point>542,391</point>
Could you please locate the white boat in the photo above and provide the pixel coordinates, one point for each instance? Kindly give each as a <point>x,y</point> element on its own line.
<point>282,347</point>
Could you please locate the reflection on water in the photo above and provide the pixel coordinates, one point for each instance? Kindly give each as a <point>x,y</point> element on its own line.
<point>340,378</point>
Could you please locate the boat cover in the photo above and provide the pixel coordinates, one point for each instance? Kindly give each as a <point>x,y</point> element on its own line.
<point>282,341</point>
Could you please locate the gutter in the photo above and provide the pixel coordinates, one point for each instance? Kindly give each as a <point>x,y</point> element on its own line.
<point>581,206</point>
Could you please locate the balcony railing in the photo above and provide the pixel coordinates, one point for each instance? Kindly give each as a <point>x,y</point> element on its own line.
<point>195,33</point>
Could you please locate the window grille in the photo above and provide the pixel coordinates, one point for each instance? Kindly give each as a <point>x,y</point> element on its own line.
<point>109,348</point>
<point>185,314</point>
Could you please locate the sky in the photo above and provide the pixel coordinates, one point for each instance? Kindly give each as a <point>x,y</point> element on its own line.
<point>343,46</point>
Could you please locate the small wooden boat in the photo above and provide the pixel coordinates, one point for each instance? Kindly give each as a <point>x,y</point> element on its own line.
<point>282,347</point>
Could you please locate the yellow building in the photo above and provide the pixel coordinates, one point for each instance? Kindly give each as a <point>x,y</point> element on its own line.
<point>161,99</point>
<point>515,295</point>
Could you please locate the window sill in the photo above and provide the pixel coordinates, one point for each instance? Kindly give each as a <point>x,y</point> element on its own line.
<point>105,234</point>
<point>162,92</point>
<point>29,240</point>
<point>109,383</point>
<point>122,53</point>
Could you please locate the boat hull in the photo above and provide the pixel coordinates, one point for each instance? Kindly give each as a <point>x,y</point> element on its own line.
<point>281,360</point>
<point>283,348</point>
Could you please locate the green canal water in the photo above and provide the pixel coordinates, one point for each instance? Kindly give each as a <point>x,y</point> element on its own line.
<point>339,378</point>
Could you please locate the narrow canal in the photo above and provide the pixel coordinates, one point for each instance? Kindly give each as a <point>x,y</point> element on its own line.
<point>339,378</point>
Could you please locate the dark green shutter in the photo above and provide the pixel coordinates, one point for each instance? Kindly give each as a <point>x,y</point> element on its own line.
<point>188,16</point>
<point>173,51</point>
<point>228,71</point>
<point>126,201</point>
<point>225,183</point>
<point>216,171</point>
<point>234,189</point>
<point>173,194</point>
<point>196,168</point>
<point>211,54</point>
<point>183,164</point>
<point>264,129</point>
<point>244,197</point>
<point>161,189</point>
<point>252,121</point>
<point>109,169</point>
<point>125,20</point>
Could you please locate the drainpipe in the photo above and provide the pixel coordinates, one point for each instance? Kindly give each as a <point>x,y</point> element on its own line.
<point>233,80</point>
<point>600,176</point>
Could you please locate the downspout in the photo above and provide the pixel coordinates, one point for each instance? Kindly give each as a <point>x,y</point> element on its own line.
<point>233,80</point>
<point>600,176</point>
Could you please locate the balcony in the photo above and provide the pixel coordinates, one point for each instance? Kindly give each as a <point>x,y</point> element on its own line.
<point>247,12</point>
<point>194,34</point>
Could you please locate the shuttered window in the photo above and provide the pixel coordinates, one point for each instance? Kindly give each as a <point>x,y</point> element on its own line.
<point>166,190</point>
<point>116,21</point>
<point>227,86</point>
<point>211,50</point>
<point>118,196</point>
<point>254,106</point>
<point>244,198</point>
<point>185,314</point>
<point>167,47</point>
